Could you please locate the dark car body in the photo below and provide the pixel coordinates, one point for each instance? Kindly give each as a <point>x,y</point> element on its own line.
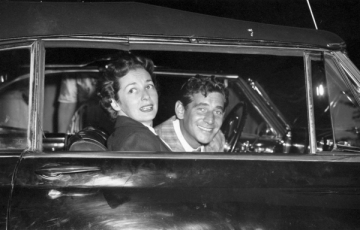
<point>293,120</point>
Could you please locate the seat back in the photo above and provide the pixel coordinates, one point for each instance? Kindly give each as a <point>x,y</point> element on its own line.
<point>88,139</point>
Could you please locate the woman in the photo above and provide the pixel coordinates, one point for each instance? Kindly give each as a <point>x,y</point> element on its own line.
<point>129,95</point>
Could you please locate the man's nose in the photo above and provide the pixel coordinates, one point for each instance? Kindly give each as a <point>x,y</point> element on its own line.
<point>209,117</point>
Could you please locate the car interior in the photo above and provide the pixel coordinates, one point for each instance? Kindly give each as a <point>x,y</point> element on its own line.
<point>266,113</point>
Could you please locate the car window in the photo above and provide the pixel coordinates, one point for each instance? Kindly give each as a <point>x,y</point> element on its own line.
<point>267,94</point>
<point>343,108</point>
<point>14,98</point>
<point>267,110</point>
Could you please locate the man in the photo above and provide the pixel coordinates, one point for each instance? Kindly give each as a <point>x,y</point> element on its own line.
<point>199,116</point>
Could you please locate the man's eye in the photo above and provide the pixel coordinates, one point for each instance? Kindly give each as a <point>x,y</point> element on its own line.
<point>202,110</point>
<point>219,112</point>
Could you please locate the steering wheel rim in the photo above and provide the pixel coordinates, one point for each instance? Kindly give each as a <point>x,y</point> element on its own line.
<point>233,126</point>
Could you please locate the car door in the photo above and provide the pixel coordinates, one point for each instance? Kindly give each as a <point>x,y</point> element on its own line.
<point>15,69</point>
<point>137,190</point>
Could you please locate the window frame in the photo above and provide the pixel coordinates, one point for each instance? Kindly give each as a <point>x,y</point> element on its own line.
<point>34,74</point>
<point>38,67</point>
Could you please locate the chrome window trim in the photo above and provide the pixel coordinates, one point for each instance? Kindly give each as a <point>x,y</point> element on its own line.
<point>310,102</point>
<point>180,44</point>
<point>16,45</point>
<point>37,69</point>
<point>320,157</point>
<point>30,46</point>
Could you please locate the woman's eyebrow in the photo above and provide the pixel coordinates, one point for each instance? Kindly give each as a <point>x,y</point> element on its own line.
<point>130,84</point>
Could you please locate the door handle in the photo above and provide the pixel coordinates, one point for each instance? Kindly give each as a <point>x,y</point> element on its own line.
<point>58,170</point>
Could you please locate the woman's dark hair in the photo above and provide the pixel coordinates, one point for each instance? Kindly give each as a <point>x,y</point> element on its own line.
<point>119,66</point>
<point>203,85</point>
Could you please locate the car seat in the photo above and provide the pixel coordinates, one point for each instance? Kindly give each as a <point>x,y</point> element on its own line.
<point>88,139</point>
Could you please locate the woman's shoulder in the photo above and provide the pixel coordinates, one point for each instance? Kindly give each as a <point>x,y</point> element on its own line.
<point>132,139</point>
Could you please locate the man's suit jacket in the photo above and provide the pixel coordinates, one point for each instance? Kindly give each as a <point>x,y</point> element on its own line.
<point>131,135</point>
<point>167,132</point>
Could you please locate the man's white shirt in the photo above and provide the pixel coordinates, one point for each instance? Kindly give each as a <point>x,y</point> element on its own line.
<point>182,140</point>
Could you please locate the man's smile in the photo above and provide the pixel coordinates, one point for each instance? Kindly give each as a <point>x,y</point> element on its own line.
<point>205,129</point>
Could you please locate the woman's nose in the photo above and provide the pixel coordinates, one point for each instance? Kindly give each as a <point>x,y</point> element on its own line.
<point>145,95</point>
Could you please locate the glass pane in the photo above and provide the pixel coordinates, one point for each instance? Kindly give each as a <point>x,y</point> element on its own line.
<point>324,132</point>
<point>345,112</point>
<point>14,98</point>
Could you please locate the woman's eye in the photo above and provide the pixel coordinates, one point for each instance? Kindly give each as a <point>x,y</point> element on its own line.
<point>132,91</point>
<point>150,86</point>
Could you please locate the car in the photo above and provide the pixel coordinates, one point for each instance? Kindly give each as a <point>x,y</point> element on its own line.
<point>292,123</point>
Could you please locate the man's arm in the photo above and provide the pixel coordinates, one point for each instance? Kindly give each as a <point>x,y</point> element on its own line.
<point>67,102</point>
<point>65,113</point>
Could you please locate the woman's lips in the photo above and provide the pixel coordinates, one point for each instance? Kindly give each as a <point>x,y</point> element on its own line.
<point>147,108</point>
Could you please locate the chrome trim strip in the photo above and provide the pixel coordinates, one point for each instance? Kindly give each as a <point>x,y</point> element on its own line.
<point>37,69</point>
<point>12,46</point>
<point>310,103</point>
<point>319,157</point>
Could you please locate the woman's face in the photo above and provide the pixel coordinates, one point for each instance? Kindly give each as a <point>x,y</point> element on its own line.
<point>138,96</point>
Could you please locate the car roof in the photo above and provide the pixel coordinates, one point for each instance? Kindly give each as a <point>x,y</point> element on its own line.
<point>33,19</point>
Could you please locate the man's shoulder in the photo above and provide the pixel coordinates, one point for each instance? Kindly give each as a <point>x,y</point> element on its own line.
<point>166,132</point>
<point>165,126</point>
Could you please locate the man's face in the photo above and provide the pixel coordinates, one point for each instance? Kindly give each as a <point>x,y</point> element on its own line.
<point>202,118</point>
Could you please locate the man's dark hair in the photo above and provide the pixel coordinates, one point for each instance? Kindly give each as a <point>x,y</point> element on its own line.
<point>203,85</point>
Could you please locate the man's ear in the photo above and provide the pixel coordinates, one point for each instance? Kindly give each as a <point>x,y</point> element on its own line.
<point>115,105</point>
<point>179,110</point>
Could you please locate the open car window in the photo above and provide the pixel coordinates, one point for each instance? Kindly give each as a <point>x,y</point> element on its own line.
<point>267,111</point>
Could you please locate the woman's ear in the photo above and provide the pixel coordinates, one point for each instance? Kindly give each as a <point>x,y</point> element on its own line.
<point>179,110</point>
<point>115,105</point>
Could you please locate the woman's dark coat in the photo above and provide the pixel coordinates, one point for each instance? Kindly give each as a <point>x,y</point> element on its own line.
<point>131,135</point>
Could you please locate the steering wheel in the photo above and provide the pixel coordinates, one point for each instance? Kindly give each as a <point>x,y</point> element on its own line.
<point>233,125</point>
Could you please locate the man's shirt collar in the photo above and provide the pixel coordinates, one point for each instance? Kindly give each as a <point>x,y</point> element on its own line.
<point>182,140</point>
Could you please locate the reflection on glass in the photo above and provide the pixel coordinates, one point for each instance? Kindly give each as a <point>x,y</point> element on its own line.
<point>345,112</point>
<point>14,98</point>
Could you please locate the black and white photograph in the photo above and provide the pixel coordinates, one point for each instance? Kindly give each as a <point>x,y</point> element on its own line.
<point>180,115</point>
